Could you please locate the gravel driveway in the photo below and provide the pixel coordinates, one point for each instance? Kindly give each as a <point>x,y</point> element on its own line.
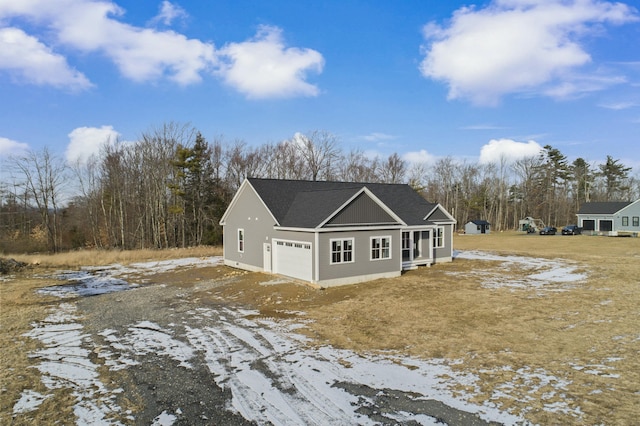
<point>169,356</point>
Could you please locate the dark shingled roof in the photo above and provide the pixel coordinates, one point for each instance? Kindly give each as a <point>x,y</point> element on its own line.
<point>480,222</point>
<point>301,203</point>
<point>607,207</point>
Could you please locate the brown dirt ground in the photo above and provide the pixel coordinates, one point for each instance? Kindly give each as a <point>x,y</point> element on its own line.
<point>443,312</point>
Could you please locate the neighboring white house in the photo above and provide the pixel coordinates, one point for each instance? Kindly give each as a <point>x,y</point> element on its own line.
<point>610,218</point>
<point>334,233</point>
<point>477,227</point>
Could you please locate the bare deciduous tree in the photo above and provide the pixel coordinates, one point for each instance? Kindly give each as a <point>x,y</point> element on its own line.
<point>393,170</point>
<point>44,177</point>
<point>320,152</point>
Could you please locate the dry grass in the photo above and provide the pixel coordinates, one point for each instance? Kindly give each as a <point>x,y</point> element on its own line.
<point>580,346</point>
<point>76,259</point>
<point>21,307</point>
<point>588,336</point>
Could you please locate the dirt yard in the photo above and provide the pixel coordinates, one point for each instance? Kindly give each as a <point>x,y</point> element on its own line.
<point>574,343</point>
<point>586,334</point>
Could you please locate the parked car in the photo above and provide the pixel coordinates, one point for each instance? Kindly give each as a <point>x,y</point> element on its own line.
<point>571,230</point>
<point>548,230</point>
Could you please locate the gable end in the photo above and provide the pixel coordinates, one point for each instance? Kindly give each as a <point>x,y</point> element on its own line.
<point>439,214</point>
<point>362,210</point>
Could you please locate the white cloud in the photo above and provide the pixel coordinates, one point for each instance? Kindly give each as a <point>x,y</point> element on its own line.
<point>509,150</point>
<point>516,46</point>
<point>263,67</point>
<point>30,61</point>
<point>618,106</point>
<point>259,68</point>
<point>87,141</point>
<point>378,137</point>
<point>168,13</point>
<point>419,157</point>
<point>483,127</point>
<point>10,147</point>
<point>141,54</point>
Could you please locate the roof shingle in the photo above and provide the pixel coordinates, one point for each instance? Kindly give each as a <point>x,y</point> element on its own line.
<point>606,207</point>
<point>299,203</point>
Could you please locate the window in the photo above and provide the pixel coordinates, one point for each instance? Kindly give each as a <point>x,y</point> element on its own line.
<point>406,246</point>
<point>438,237</point>
<point>342,251</point>
<point>380,248</point>
<point>636,221</point>
<point>625,220</point>
<point>241,240</point>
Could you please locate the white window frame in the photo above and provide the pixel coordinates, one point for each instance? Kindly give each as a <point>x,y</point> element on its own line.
<point>438,237</point>
<point>380,249</point>
<point>406,244</point>
<point>241,240</point>
<point>342,250</point>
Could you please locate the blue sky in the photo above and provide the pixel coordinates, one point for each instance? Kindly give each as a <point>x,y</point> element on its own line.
<point>425,79</point>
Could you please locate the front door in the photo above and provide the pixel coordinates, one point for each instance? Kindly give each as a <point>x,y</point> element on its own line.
<point>416,244</point>
<point>266,257</point>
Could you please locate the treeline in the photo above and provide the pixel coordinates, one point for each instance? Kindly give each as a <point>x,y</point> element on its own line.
<point>170,188</point>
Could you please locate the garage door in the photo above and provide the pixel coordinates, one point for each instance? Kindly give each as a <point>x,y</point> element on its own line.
<point>606,225</point>
<point>293,259</point>
<point>589,225</point>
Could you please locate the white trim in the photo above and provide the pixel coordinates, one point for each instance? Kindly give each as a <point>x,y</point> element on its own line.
<point>426,226</point>
<point>438,206</point>
<point>353,250</point>
<point>347,229</point>
<point>316,265</point>
<point>375,199</point>
<point>390,247</point>
<point>436,237</point>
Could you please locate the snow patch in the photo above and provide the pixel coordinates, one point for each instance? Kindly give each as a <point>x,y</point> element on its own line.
<point>92,281</point>
<point>64,364</point>
<point>540,274</point>
<point>29,401</point>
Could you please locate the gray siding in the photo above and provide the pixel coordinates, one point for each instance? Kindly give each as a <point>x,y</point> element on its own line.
<point>362,264</point>
<point>447,251</point>
<point>630,212</point>
<point>251,215</point>
<point>360,211</point>
<point>438,214</point>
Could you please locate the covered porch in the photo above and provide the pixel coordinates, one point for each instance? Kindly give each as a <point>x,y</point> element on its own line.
<point>417,247</point>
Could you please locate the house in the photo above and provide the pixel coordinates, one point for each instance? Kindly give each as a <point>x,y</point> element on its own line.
<point>334,233</point>
<point>610,217</point>
<point>476,227</point>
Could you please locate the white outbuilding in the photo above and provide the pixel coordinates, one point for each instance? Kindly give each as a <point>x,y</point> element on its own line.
<point>477,227</point>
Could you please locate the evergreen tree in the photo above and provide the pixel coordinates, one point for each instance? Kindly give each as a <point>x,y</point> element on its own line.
<point>583,179</point>
<point>551,175</point>
<point>615,176</point>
